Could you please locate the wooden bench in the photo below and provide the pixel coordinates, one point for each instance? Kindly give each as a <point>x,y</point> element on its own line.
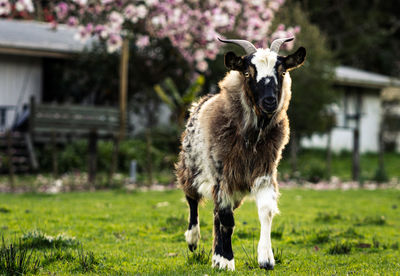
<point>62,123</point>
<point>72,120</point>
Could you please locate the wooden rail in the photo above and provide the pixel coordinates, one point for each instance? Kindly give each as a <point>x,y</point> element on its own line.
<point>60,123</point>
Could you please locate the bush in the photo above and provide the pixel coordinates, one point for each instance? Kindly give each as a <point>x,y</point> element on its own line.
<point>73,156</point>
<point>314,171</point>
<point>380,175</point>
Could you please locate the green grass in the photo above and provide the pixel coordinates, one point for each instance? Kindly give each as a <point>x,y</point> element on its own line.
<point>111,232</point>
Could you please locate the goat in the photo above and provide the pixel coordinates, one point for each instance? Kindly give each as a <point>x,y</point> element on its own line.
<point>232,145</point>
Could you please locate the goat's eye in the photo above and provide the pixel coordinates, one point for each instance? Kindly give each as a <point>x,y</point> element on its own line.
<point>246,74</point>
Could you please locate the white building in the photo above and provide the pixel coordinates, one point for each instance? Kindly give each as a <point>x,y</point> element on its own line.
<point>357,87</point>
<point>24,46</point>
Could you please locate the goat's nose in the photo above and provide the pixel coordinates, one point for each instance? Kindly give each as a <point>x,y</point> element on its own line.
<point>270,100</point>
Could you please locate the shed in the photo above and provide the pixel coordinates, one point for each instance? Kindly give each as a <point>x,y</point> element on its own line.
<point>24,46</point>
<point>360,107</point>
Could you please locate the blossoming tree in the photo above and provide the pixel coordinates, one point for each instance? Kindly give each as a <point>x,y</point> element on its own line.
<point>191,26</point>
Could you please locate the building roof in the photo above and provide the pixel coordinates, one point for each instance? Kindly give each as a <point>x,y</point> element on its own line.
<point>38,39</point>
<point>349,76</point>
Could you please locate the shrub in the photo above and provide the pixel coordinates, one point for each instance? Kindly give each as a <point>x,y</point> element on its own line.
<point>380,175</point>
<point>314,171</point>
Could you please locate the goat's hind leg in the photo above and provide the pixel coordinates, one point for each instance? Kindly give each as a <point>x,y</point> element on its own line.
<point>192,235</point>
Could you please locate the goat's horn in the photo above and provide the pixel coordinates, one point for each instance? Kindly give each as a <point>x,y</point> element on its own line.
<point>277,43</point>
<point>247,46</point>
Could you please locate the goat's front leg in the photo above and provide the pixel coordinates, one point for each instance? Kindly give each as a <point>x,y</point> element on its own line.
<point>266,199</point>
<point>223,229</point>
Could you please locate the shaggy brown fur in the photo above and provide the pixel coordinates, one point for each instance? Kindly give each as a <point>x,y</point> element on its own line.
<point>245,154</point>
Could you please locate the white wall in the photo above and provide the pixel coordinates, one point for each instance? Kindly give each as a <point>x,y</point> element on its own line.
<point>20,77</point>
<point>342,138</point>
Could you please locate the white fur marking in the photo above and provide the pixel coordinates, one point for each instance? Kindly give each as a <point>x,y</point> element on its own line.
<point>264,60</point>
<point>223,263</point>
<point>204,182</point>
<point>286,85</point>
<point>266,200</point>
<point>192,236</point>
<point>250,118</point>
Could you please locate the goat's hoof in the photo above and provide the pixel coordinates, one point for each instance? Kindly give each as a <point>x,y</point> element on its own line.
<point>267,266</point>
<point>192,247</point>
<point>223,263</point>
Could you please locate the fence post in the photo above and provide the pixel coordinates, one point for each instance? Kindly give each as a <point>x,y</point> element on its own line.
<point>92,161</point>
<point>114,160</point>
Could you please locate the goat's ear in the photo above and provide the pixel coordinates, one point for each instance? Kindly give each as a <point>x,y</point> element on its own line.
<point>233,62</point>
<point>296,59</point>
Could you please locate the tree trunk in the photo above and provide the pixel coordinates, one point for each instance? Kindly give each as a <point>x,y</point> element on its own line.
<point>123,86</point>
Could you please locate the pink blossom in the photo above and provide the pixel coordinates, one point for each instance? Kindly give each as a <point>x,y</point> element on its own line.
<point>72,21</point>
<point>274,5</point>
<point>116,19</point>
<point>89,28</point>
<point>129,11</point>
<point>191,26</point>
<point>80,2</point>
<point>143,41</point>
<point>141,11</point>
<point>61,10</point>
<point>281,27</point>
<point>202,66</point>
<point>114,43</point>
<point>24,5</point>
<point>82,34</point>
<point>5,7</point>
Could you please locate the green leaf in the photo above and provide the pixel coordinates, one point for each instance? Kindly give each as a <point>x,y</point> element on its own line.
<point>169,83</point>
<point>193,90</point>
<point>163,96</point>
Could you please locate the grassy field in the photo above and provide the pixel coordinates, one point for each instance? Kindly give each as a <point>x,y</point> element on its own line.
<point>319,232</point>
